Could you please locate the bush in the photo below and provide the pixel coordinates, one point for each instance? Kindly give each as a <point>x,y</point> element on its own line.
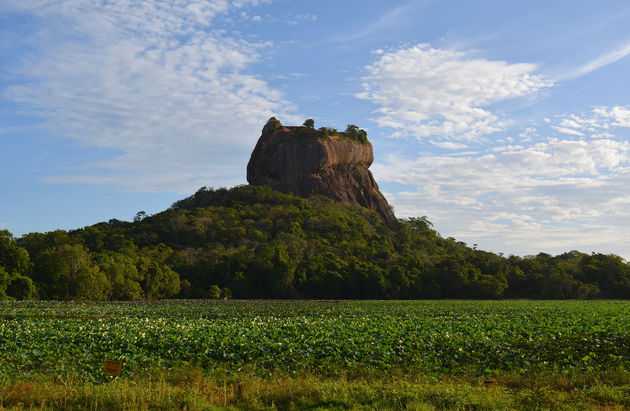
<point>215,292</point>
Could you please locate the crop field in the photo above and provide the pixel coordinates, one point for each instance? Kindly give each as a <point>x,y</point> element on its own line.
<point>329,339</point>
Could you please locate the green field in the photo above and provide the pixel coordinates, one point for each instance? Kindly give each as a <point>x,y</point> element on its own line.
<point>505,351</point>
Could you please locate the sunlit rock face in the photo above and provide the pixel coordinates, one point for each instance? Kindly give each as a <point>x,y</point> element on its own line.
<point>305,161</point>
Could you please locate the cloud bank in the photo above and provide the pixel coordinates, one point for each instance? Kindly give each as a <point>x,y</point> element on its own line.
<point>552,185</point>
<point>422,91</point>
<point>159,82</point>
<point>559,193</point>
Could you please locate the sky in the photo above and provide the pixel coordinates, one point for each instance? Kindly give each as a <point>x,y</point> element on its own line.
<point>505,123</point>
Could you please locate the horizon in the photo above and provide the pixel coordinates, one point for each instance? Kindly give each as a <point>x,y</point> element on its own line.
<point>507,126</point>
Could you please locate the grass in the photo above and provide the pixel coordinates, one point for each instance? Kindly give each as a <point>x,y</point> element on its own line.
<point>190,388</point>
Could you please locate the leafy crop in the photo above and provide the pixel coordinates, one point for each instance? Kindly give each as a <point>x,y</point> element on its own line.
<point>328,337</point>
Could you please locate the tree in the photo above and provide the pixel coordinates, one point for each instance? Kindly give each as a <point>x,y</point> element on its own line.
<point>5,279</point>
<point>264,244</point>
<point>141,215</point>
<point>310,123</point>
<point>609,272</point>
<point>68,273</point>
<point>14,259</point>
<point>123,275</point>
<point>22,288</point>
<point>160,281</point>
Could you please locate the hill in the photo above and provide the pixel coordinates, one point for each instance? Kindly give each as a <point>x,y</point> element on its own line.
<point>254,242</point>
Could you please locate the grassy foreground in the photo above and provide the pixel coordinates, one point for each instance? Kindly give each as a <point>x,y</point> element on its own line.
<point>317,354</point>
<point>189,388</point>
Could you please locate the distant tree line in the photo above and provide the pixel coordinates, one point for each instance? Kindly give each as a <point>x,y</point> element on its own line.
<point>253,242</point>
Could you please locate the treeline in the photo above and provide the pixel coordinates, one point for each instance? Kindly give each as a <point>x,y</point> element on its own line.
<point>253,242</point>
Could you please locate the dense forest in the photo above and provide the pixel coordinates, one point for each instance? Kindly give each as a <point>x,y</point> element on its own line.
<point>253,242</point>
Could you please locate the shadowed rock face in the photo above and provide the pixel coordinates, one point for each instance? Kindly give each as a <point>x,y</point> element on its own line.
<point>303,161</point>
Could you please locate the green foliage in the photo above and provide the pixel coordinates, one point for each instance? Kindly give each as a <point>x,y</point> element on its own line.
<point>123,275</point>
<point>5,280</point>
<point>328,131</point>
<point>258,243</point>
<point>141,215</point>
<point>21,288</point>
<point>214,292</point>
<point>310,123</point>
<point>473,338</point>
<point>13,258</point>
<point>352,133</point>
<point>160,281</point>
<point>226,293</point>
<point>355,133</point>
<point>68,273</point>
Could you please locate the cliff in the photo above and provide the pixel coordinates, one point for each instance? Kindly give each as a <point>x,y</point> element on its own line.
<point>305,161</point>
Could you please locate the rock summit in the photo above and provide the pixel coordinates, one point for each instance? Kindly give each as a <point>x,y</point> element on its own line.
<point>304,161</point>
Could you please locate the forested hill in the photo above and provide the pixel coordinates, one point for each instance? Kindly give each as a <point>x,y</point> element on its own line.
<point>253,242</point>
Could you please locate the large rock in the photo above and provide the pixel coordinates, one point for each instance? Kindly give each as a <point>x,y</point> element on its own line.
<point>305,161</point>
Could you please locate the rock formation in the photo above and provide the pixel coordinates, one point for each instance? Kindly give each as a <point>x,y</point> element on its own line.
<point>306,161</point>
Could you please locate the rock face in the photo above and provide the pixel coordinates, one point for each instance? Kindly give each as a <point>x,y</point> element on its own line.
<point>305,161</point>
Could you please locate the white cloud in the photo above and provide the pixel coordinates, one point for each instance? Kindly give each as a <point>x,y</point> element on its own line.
<point>602,135</point>
<point>566,130</point>
<point>422,91</point>
<point>595,124</point>
<point>549,196</point>
<point>528,134</point>
<point>157,82</point>
<point>619,115</point>
<point>601,61</point>
<point>448,145</point>
<point>295,19</point>
<point>569,122</point>
<point>506,148</point>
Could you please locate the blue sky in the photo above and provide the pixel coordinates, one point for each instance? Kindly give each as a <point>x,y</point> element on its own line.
<point>506,123</point>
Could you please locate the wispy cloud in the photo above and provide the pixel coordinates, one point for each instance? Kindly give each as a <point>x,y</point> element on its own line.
<point>393,18</point>
<point>567,130</point>
<point>448,145</point>
<point>599,62</point>
<point>295,19</point>
<point>158,82</point>
<point>422,91</point>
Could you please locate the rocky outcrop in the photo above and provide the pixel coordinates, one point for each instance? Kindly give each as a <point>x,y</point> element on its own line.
<point>305,161</point>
